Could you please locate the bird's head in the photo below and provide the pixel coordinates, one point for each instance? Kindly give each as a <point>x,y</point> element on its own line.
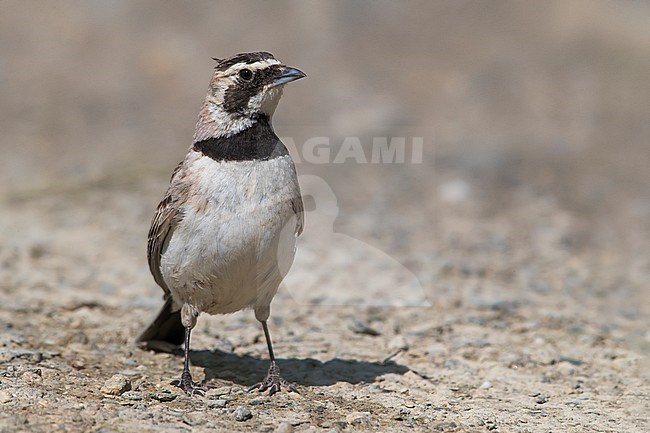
<point>243,88</point>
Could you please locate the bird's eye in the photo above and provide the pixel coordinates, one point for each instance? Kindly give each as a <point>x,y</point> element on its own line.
<point>246,74</point>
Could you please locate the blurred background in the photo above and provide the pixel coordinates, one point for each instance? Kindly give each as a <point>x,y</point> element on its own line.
<point>535,118</point>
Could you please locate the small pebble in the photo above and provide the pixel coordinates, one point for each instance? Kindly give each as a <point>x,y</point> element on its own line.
<point>358,418</point>
<point>116,385</point>
<point>225,345</point>
<point>163,396</point>
<point>242,413</point>
<point>133,395</point>
<point>217,403</point>
<point>217,392</point>
<point>32,376</point>
<point>78,364</point>
<point>362,328</point>
<point>284,427</point>
<point>5,396</point>
<point>296,421</point>
<point>541,399</point>
<point>475,342</point>
<point>398,343</point>
<point>7,355</point>
<point>572,361</point>
<point>490,424</point>
<point>436,350</point>
<point>194,418</point>
<point>545,357</point>
<point>486,385</point>
<point>129,372</point>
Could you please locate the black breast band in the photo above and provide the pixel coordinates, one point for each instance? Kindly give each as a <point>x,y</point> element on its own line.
<point>258,142</point>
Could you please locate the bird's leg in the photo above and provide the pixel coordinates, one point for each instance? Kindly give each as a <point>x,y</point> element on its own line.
<point>273,382</point>
<point>185,383</point>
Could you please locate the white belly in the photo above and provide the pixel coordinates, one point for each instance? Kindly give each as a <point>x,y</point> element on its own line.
<point>236,240</point>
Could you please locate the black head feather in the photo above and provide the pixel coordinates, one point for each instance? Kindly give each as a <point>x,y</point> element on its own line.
<point>246,58</point>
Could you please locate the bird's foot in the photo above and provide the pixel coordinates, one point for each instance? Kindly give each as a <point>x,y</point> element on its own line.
<point>190,387</point>
<point>273,382</point>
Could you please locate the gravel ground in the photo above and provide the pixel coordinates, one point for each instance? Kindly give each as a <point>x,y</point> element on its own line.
<point>508,343</point>
<point>499,284</point>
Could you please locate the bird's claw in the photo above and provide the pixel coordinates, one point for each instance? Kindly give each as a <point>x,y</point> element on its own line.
<point>273,382</point>
<point>190,387</point>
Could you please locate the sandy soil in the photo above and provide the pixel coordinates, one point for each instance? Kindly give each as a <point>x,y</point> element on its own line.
<point>500,284</point>
<point>508,343</point>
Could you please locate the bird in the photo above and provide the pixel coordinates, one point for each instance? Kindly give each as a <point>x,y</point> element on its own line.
<point>224,234</point>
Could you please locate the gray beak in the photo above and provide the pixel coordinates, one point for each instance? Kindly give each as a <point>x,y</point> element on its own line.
<point>288,74</point>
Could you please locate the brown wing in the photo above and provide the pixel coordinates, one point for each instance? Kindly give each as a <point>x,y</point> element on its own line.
<point>167,216</point>
<point>298,208</point>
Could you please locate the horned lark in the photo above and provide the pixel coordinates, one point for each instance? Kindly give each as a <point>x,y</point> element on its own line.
<point>224,235</point>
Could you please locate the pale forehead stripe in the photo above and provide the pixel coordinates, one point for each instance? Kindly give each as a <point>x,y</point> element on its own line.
<point>256,65</point>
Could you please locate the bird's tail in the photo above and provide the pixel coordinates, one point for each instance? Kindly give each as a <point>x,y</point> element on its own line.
<point>166,332</point>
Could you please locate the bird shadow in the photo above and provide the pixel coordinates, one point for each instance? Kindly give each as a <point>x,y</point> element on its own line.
<point>246,370</point>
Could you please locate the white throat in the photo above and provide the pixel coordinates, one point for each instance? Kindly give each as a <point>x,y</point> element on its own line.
<point>269,100</point>
<point>214,121</point>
